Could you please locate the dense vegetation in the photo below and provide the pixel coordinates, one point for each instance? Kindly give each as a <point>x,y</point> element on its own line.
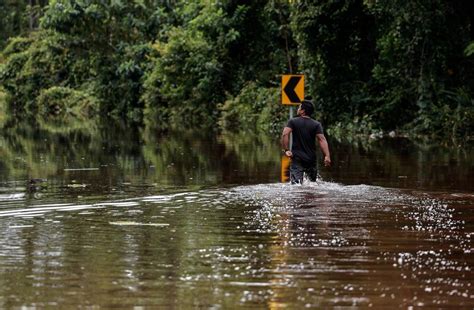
<point>370,65</point>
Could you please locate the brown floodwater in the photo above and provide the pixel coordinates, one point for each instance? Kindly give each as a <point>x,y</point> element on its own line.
<point>109,215</point>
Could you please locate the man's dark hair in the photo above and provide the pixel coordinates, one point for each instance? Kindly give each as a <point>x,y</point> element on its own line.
<point>308,107</point>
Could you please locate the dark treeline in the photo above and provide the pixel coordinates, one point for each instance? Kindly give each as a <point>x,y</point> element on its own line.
<point>370,65</point>
<point>18,17</point>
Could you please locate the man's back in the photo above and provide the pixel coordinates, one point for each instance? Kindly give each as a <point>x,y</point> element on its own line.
<point>304,130</point>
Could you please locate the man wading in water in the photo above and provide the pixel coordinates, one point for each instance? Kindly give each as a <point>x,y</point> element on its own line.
<point>303,154</point>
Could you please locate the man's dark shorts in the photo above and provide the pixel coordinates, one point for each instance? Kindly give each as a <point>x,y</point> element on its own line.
<point>298,169</point>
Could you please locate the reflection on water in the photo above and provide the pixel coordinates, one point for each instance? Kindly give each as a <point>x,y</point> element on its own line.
<point>116,216</point>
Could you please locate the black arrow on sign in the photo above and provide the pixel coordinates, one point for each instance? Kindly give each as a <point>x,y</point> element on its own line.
<point>290,89</point>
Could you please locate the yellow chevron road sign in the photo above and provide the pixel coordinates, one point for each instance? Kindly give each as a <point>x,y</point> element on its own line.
<point>292,89</point>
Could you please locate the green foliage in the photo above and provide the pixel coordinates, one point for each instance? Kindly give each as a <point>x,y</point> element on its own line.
<point>335,54</point>
<point>469,51</point>
<point>35,65</point>
<point>188,72</point>
<point>357,126</point>
<point>265,47</point>
<point>64,100</point>
<point>451,118</point>
<point>3,107</point>
<point>97,46</point>
<point>113,45</point>
<point>17,45</point>
<point>254,109</point>
<point>369,65</point>
<point>241,112</point>
<point>18,17</point>
<point>418,49</point>
<point>384,64</point>
<point>212,55</point>
<point>12,20</point>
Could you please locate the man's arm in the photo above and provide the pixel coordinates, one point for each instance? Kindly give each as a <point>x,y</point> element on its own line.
<point>285,141</point>
<point>323,144</point>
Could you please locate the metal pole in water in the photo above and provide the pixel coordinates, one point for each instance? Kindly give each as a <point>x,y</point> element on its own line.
<point>291,135</point>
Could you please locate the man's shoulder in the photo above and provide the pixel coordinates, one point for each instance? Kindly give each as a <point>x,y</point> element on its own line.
<point>315,122</point>
<point>294,120</point>
<point>316,125</point>
<point>299,119</point>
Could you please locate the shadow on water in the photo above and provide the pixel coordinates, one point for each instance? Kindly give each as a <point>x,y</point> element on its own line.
<point>106,214</point>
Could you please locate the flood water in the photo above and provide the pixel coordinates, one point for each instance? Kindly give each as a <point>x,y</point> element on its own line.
<point>109,215</point>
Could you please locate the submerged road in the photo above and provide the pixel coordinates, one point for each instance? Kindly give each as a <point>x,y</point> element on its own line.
<point>271,245</point>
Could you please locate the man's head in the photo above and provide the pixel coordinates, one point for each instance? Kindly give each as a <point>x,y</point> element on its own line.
<point>306,108</point>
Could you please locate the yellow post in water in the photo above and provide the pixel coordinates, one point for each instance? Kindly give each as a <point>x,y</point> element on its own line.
<point>292,93</point>
<point>285,169</point>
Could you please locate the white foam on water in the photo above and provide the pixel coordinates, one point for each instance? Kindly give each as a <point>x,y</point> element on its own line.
<point>14,196</point>
<point>129,223</point>
<point>119,204</point>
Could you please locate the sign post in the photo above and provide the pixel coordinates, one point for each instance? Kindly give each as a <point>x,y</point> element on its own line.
<point>292,94</point>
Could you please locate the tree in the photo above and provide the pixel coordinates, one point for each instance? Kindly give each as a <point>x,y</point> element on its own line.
<point>335,42</point>
<point>214,53</point>
<point>421,64</point>
<point>96,47</point>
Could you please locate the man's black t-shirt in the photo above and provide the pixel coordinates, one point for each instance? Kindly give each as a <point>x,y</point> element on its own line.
<point>304,132</point>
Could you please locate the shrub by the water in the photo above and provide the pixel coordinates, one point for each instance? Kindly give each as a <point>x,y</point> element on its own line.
<point>255,108</point>
<point>451,117</point>
<point>64,100</point>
